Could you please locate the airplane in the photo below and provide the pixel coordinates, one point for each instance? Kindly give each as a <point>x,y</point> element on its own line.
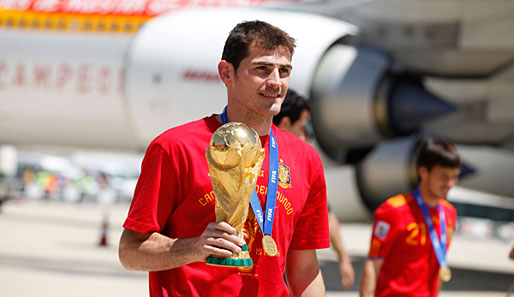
<point>380,74</point>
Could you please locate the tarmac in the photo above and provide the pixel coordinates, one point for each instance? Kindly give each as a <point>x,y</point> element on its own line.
<point>51,249</point>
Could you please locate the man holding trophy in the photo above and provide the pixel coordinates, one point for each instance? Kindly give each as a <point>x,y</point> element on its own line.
<point>227,204</point>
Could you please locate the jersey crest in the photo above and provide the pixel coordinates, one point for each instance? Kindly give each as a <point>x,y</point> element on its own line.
<point>381,229</point>
<point>284,177</point>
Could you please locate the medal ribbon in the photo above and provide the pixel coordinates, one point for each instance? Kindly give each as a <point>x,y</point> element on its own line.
<point>439,246</point>
<point>266,225</point>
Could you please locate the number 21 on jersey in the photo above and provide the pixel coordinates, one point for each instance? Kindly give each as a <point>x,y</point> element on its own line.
<point>417,235</point>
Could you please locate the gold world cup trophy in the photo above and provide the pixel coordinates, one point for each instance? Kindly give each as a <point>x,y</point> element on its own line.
<point>235,157</point>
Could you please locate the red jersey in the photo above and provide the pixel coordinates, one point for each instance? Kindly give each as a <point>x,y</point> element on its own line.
<point>401,238</point>
<point>174,196</point>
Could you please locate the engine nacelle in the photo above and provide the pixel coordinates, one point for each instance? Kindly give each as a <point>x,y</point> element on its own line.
<point>358,101</point>
<point>389,169</point>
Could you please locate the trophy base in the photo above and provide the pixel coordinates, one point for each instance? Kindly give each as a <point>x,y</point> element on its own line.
<point>241,259</point>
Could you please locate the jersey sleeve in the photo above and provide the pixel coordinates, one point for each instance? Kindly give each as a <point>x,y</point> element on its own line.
<point>311,231</point>
<point>383,232</point>
<point>153,197</point>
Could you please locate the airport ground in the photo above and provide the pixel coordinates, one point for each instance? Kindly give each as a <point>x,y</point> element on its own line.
<point>51,249</point>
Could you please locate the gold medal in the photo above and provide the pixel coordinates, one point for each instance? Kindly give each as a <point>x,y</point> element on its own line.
<point>445,274</point>
<point>269,245</point>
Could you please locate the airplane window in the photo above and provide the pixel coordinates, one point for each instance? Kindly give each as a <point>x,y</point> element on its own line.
<point>74,25</point>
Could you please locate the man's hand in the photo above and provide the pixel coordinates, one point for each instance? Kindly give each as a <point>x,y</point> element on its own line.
<point>219,239</point>
<point>347,273</point>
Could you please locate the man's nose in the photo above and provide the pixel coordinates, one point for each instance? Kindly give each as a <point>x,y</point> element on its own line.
<point>274,79</point>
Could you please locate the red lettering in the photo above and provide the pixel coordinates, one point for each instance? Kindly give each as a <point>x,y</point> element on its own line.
<point>19,77</point>
<point>46,5</point>
<point>200,75</point>
<point>121,83</point>
<point>105,7</point>
<point>80,6</point>
<point>16,5</point>
<point>156,7</point>
<point>63,76</point>
<point>131,7</point>
<point>3,69</point>
<point>104,80</point>
<point>42,75</point>
<point>190,75</point>
<point>83,79</point>
<point>214,77</point>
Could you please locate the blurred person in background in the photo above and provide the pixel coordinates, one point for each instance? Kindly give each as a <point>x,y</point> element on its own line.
<point>511,289</point>
<point>412,231</point>
<point>294,118</point>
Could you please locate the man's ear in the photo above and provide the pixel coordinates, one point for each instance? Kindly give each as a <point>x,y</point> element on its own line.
<point>226,71</point>
<point>423,172</point>
<point>285,123</point>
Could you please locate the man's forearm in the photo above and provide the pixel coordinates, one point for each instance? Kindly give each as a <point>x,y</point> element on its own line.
<point>303,274</point>
<point>316,288</point>
<point>156,252</point>
<point>335,237</point>
<point>368,280</point>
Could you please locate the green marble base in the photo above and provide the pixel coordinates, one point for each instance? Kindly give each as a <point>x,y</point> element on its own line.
<point>241,259</point>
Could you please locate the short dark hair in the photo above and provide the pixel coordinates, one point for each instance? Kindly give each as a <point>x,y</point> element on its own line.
<point>292,107</point>
<point>263,34</point>
<point>432,152</point>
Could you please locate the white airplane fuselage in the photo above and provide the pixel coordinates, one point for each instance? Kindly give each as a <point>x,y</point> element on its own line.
<point>119,91</point>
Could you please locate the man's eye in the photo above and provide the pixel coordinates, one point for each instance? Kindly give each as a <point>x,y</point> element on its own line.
<point>284,72</point>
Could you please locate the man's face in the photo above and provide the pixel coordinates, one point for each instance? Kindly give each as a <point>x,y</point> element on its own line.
<point>261,80</point>
<point>298,127</point>
<point>440,179</point>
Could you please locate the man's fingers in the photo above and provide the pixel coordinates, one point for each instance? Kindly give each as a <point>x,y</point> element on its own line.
<point>346,283</point>
<point>228,237</point>
<point>225,231</point>
<point>221,239</point>
<point>223,226</point>
<point>221,246</point>
<point>217,252</point>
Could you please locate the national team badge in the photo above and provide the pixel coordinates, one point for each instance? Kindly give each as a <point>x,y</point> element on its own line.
<point>381,229</point>
<point>284,178</point>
